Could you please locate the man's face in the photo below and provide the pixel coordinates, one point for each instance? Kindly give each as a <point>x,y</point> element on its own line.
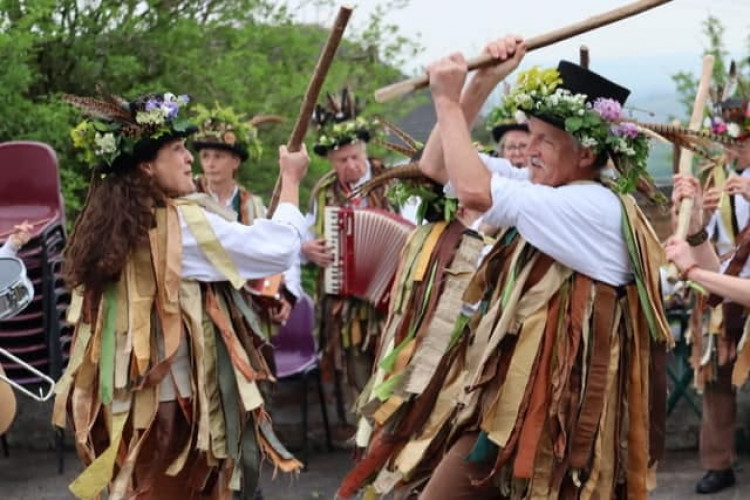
<point>218,165</point>
<point>513,147</point>
<point>740,153</point>
<point>171,169</point>
<point>349,162</point>
<point>554,158</point>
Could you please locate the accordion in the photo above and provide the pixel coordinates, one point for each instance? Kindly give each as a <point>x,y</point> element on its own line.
<point>367,244</point>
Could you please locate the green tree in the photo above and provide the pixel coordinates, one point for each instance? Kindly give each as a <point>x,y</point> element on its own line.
<point>248,54</point>
<point>687,83</point>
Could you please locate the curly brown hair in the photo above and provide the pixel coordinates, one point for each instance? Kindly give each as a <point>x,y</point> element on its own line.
<point>116,218</point>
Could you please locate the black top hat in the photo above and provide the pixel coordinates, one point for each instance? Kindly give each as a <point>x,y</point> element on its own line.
<point>235,148</point>
<point>498,131</point>
<point>579,80</point>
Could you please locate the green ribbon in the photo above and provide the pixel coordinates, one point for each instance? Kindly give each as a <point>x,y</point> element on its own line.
<point>107,353</point>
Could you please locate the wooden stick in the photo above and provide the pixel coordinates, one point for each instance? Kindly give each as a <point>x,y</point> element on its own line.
<point>584,59</point>
<point>686,158</point>
<point>407,86</point>
<point>313,91</point>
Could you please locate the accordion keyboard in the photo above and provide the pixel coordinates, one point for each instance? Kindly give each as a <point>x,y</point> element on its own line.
<point>333,274</point>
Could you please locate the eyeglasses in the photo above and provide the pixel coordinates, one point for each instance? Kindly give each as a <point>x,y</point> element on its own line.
<point>515,147</point>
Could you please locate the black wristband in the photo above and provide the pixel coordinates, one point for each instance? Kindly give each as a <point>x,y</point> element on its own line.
<point>698,238</point>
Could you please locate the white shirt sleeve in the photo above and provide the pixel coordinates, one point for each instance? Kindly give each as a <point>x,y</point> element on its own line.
<point>499,166</point>
<point>265,248</point>
<point>7,249</point>
<point>578,225</point>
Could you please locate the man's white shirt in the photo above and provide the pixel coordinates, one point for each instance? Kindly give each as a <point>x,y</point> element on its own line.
<point>579,225</point>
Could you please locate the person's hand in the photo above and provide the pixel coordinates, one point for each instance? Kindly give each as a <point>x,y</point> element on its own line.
<point>687,186</point>
<point>511,49</point>
<point>293,165</point>
<point>711,201</point>
<point>738,185</point>
<point>21,235</point>
<point>447,77</point>
<point>280,314</point>
<point>318,252</point>
<point>678,252</point>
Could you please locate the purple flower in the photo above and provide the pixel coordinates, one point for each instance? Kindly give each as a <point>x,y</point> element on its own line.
<point>152,104</point>
<point>625,129</point>
<point>170,109</point>
<point>609,109</point>
<point>183,98</point>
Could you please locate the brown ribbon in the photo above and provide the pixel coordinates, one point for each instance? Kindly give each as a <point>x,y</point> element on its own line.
<point>596,382</point>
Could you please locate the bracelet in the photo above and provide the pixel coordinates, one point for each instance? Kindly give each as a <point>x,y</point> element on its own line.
<point>698,238</point>
<point>684,274</point>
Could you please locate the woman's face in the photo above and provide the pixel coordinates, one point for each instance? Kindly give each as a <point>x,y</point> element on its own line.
<point>171,170</point>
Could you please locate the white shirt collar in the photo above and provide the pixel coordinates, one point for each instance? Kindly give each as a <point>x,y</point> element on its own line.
<point>229,201</point>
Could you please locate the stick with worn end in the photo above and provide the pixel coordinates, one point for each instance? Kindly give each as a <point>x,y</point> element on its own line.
<point>312,93</point>
<point>686,158</point>
<point>407,86</point>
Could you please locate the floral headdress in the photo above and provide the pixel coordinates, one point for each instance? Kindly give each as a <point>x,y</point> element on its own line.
<point>339,123</point>
<point>505,118</point>
<point>729,111</point>
<point>597,123</point>
<point>117,133</point>
<point>223,128</point>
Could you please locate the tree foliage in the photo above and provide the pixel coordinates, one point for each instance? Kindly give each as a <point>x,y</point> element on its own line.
<point>687,82</point>
<point>248,54</point>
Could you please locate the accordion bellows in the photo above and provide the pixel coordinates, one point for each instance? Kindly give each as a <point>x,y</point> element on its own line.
<point>367,244</point>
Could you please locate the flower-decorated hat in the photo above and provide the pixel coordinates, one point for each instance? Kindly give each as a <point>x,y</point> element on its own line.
<point>223,128</point>
<point>505,118</point>
<point>729,112</point>
<point>339,123</point>
<point>118,134</point>
<point>589,107</point>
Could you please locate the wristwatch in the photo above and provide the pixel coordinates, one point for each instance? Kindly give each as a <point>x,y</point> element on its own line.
<point>698,238</point>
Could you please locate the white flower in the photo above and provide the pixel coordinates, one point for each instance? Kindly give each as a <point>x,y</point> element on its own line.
<point>588,142</point>
<point>153,117</point>
<point>520,116</point>
<point>707,122</point>
<point>169,97</point>
<point>733,130</point>
<point>105,143</point>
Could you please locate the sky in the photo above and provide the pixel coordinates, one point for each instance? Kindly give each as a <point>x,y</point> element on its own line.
<point>640,52</point>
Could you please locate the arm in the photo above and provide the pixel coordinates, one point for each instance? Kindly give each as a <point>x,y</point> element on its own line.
<point>263,249</point>
<point>20,236</point>
<point>730,287</point>
<point>8,249</point>
<point>465,171</point>
<point>472,99</point>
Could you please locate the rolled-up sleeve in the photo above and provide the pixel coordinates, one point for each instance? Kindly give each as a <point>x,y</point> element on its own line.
<point>497,166</point>
<point>265,248</point>
<point>579,225</point>
<point>7,250</point>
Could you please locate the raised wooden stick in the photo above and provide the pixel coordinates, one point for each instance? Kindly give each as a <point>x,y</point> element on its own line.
<point>407,86</point>
<point>312,93</point>
<point>686,158</point>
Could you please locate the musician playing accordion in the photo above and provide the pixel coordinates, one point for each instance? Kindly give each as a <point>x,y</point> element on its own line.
<point>348,326</point>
